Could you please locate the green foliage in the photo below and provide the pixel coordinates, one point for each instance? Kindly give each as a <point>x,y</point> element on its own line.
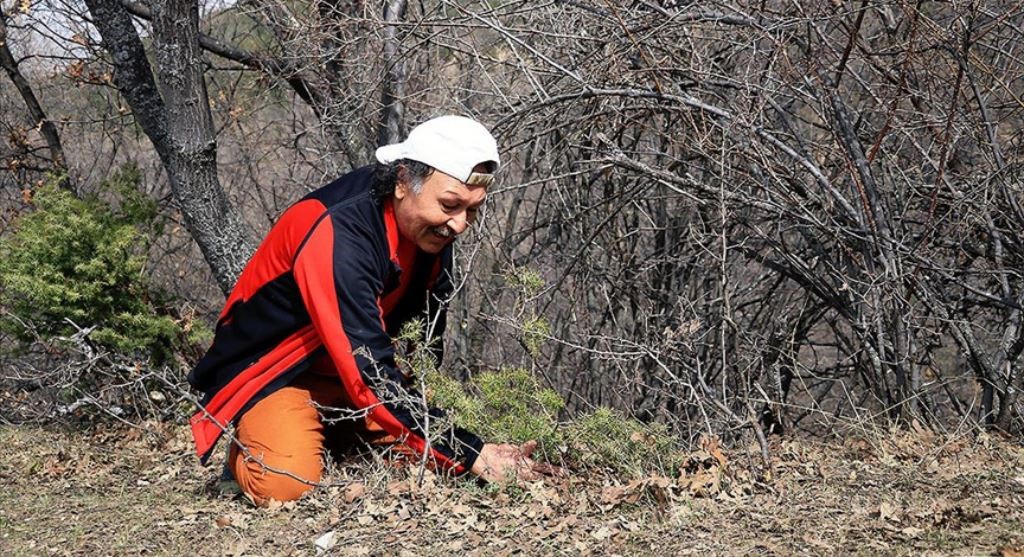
<point>607,439</point>
<point>524,279</point>
<point>508,405</point>
<point>511,406</point>
<point>80,260</point>
<point>534,329</point>
<point>467,411</point>
<point>535,332</point>
<point>519,408</point>
<point>420,360</point>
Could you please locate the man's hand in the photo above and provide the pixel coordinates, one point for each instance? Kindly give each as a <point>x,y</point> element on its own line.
<point>511,462</point>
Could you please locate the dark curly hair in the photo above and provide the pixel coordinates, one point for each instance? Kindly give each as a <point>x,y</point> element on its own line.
<point>386,176</point>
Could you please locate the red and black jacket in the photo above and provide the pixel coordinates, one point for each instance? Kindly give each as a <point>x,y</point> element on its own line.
<point>320,281</point>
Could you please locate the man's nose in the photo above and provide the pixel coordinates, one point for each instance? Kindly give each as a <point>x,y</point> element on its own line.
<point>458,223</point>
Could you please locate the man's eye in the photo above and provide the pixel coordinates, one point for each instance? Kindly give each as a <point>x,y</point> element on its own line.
<point>449,206</point>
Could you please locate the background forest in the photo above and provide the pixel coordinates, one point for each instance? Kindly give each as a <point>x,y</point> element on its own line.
<point>752,271</point>
<point>728,218</point>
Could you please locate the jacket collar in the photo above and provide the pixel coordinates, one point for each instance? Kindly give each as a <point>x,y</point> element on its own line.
<point>391,228</point>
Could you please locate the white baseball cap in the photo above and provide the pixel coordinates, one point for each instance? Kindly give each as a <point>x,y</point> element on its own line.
<point>451,144</point>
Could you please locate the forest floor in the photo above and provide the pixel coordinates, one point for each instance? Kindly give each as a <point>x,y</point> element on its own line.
<point>121,491</point>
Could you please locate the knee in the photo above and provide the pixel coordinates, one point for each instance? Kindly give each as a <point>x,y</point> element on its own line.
<point>279,487</point>
<point>280,481</point>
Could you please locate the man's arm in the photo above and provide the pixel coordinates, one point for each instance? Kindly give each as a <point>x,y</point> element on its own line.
<point>339,275</point>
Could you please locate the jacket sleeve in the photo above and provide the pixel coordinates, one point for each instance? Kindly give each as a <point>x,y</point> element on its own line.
<point>339,272</point>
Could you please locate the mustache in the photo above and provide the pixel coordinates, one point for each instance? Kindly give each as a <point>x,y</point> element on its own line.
<point>443,231</point>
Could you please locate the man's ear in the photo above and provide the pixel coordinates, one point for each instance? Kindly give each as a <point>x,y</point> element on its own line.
<point>402,183</point>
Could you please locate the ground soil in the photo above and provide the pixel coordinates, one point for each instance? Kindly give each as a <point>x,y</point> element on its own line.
<point>109,490</point>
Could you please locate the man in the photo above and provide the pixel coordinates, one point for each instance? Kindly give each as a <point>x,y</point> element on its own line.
<point>311,320</point>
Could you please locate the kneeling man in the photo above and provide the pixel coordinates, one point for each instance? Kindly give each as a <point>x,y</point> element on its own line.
<point>311,320</point>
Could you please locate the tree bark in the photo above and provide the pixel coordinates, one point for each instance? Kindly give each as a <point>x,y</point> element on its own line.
<point>39,119</point>
<point>392,125</point>
<point>300,80</point>
<point>179,123</point>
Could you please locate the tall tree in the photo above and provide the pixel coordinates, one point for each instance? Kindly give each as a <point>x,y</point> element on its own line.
<point>178,122</point>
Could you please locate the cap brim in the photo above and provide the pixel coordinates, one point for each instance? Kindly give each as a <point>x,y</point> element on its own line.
<point>389,153</point>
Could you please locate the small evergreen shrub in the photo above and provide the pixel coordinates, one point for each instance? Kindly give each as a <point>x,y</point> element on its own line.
<point>518,408</point>
<point>511,406</point>
<point>535,332</point>
<point>525,280</point>
<point>507,405</point>
<point>607,439</point>
<point>81,261</point>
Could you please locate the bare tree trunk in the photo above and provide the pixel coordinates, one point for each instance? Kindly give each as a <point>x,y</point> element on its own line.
<point>181,130</point>
<point>210,217</point>
<point>39,119</point>
<point>392,125</point>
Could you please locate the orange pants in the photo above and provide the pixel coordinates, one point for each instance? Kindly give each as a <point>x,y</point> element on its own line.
<point>285,438</point>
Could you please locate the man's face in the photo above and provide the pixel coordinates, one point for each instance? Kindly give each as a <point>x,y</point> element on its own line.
<point>443,209</point>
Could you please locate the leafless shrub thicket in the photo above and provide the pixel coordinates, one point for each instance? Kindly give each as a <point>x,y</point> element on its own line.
<point>745,214</point>
<point>770,212</point>
<point>70,376</point>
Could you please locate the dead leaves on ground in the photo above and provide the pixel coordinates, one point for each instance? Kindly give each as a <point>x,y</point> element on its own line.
<point>868,495</point>
<point>583,513</point>
<point>940,514</point>
<point>705,473</point>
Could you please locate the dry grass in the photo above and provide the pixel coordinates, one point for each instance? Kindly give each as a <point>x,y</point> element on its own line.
<point>130,491</point>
